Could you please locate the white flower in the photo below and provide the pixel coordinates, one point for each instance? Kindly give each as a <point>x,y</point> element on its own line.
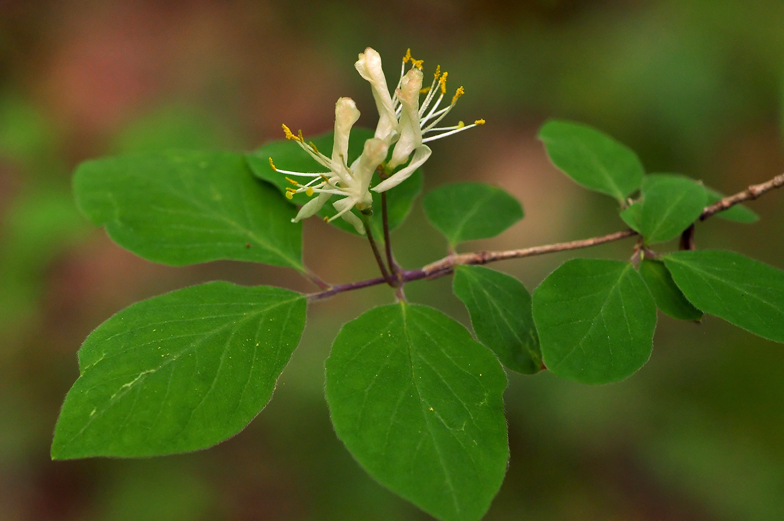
<point>413,121</point>
<point>351,182</point>
<point>402,122</point>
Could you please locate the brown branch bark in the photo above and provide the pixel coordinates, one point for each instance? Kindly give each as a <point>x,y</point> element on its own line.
<point>751,193</point>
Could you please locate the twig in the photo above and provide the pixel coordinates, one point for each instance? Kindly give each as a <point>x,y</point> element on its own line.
<point>483,257</point>
<point>376,253</point>
<point>387,242</point>
<point>315,279</point>
<point>751,193</point>
<point>340,288</point>
<point>446,265</point>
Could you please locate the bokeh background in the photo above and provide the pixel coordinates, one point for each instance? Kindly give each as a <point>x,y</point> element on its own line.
<point>695,86</point>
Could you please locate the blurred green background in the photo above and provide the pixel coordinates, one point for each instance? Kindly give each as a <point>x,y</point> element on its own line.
<point>695,86</point>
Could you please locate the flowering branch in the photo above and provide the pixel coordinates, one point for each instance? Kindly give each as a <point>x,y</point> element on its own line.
<point>446,265</point>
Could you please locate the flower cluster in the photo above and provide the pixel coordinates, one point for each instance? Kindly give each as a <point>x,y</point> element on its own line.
<point>403,126</point>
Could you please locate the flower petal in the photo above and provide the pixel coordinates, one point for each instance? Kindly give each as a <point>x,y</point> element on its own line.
<point>346,114</point>
<point>311,207</point>
<point>410,132</point>
<point>355,221</point>
<point>374,153</point>
<point>369,67</point>
<point>421,154</point>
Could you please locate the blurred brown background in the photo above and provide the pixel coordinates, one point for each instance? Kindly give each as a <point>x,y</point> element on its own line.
<point>695,86</point>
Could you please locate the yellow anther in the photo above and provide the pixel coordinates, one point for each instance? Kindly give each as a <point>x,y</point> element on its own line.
<point>290,180</point>
<point>313,146</point>
<point>289,195</point>
<point>438,71</point>
<point>407,56</point>
<point>479,122</point>
<point>273,165</point>
<point>292,190</point>
<point>326,219</point>
<point>324,178</point>
<point>289,134</point>
<point>459,92</point>
<point>299,135</point>
<point>442,82</point>
<point>309,192</point>
<point>417,63</point>
<point>460,124</point>
<point>425,90</point>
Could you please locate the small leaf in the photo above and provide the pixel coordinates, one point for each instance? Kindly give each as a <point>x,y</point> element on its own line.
<point>289,156</point>
<point>179,372</point>
<point>595,320</point>
<point>742,291</point>
<point>671,203</point>
<point>738,213</point>
<point>500,309</point>
<point>632,216</point>
<point>592,158</point>
<point>187,207</point>
<point>666,294</point>
<point>419,404</point>
<point>469,211</point>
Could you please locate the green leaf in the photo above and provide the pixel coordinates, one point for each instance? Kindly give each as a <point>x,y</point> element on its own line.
<point>179,372</point>
<point>289,156</point>
<point>595,320</point>
<point>738,213</point>
<point>187,207</point>
<point>742,291</point>
<point>419,404</point>
<point>671,203</point>
<point>500,309</point>
<point>469,211</point>
<point>592,158</point>
<point>666,294</point>
<point>632,216</point>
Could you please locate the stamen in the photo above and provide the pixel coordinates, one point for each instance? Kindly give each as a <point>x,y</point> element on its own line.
<point>417,63</point>
<point>290,135</point>
<point>425,90</point>
<point>460,127</point>
<point>289,195</point>
<point>290,180</point>
<point>272,165</point>
<point>407,56</point>
<point>313,146</point>
<point>442,82</point>
<point>460,91</point>
<point>309,192</point>
<point>299,134</point>
<point>438,71</point>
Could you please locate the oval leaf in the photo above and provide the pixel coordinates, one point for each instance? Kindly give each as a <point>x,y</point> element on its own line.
<point>187,207</point>
<point>595,320</point>
<point>179,372</point>
<point>742,291</point>
<point>469,211</point>
<point>289,156</point>
<point>671,203</point>
<point>632,216</point>
<point>500,309</point>
<point>592,158</point>
<point>666,294</point>
<point>419,404</point>
<point>738,213</point>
